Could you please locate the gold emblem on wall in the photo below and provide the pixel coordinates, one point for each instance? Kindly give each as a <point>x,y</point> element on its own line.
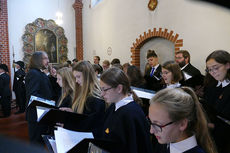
<point>152,4</point>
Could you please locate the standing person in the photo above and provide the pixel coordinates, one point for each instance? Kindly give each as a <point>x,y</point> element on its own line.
<point>171,74</point>
<point>125,122</point>
<point>96,60</point>
<point>105,65</point>
<point>153,73</point>
<point>191,75</point>
<point>178,121</point>
<point>216,94</point>
<point>66,81</point>
<point>5,92</point>
<point>37,84</point>
<point>135,77</point>
<point>19,86</point>
<point>87,99</point>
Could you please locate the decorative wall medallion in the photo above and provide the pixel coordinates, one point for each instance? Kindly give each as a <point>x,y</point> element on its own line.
<point>109,51</point>
<point>45,35</point>
<point>152,4</point>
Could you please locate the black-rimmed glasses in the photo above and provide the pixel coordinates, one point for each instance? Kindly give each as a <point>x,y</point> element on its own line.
<point>104,90</point>
<point>156,127</point>
<point>213,69</point>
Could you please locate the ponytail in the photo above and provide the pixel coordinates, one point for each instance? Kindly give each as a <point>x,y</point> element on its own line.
<point>200,126</point>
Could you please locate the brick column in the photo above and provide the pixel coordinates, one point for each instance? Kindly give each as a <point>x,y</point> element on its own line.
<point>78,22</point>
<point>4,40</point>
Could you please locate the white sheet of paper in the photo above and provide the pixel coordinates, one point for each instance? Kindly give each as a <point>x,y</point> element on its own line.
<point>40,111</point>
<point>67,139</point>
<point>53,145</point>
<point>143,94</point>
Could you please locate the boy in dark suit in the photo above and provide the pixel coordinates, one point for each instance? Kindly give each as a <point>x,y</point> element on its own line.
<point>5,92</point>
<point>153,72</point>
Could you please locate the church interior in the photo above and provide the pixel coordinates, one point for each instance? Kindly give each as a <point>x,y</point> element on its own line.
<point>123,29</point>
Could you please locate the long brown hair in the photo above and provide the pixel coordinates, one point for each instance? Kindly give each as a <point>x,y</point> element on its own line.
<point>182,103</point>
<point>68,83</point>
<point>90,86</point>
<point>36,60</point>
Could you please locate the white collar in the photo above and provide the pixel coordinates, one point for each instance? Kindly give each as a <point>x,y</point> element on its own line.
<point>224,83</point>
<point>2,73</point>
<point>155,67</point>
<point>184,145</point>
<point>184,67</point>
<point>123,102</point>
<point>175,85</point>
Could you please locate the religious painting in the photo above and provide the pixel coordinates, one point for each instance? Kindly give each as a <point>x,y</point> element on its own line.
<point>45,35</point>
<point>45,40</point>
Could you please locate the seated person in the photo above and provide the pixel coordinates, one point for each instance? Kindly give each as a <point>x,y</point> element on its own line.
<point>178,121</point>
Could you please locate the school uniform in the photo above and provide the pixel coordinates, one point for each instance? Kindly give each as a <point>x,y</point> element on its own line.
<point>218,99</point>
<point>175,85</point>
<point>19,89</point>
<point>5,94</point>
<point>126,124</point>
<point>188,145</point>
<point>95,109</point>
<point>66,102</point>
<point>153,78</point>
<point>37,84</point>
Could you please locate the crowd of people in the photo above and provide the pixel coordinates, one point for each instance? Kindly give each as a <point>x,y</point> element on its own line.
<point>189,112</point>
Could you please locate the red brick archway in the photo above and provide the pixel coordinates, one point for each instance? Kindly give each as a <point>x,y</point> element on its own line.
<point>135,49</point>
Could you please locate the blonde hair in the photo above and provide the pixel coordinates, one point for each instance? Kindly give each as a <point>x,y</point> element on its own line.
<point>90,86</point>
<point>182,103</point>
<point>68,83</point>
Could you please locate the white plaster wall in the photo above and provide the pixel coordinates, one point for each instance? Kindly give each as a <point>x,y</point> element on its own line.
<point>22,12</point>
<point>117,23</point>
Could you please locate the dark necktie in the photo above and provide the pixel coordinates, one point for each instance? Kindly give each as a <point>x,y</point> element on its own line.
<point>152,71</point>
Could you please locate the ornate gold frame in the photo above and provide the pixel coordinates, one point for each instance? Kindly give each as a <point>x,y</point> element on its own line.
<point>48,26</point>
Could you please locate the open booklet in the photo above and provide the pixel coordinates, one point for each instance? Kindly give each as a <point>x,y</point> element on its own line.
<point>52,116</point>
<point>143,93</point>
<point>37,101</point>
<point>67,141</point>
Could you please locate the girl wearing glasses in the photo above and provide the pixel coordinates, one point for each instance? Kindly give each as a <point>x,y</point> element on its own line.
<point>178,121</point>
<point>217,97</point>
<point>125,122</point>
<point>87,99</point>
<point>171,74</point>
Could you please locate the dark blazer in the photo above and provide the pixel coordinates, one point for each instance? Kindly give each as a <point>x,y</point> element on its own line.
<point>95,108</point>
<point>197,78</point>
<point>37,84</point>
<point>19,89</point>
<point>5,94</point>
<point>67,102</point>
<point>5,85</point>
<point>128,127</point>
<point>154,82</point>
<point>217,102</point>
